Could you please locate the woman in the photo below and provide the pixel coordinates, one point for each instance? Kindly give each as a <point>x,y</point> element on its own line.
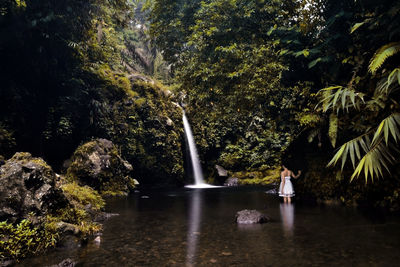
<point>286,188</point>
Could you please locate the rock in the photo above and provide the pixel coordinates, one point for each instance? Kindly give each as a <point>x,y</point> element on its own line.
<point>169,122</point>
<point>27,189</point>
<point>69,242</point>
<point>250,217</point>
<point>6,262</point>
<point>99,165</point>
<point>65,263</point>
<point>102,216</point>
<point>272,191</point>
<point>97,240</point>
<point>231,181</point>
<point>221,171</point>
<point>137,76</point>
<point>67,228</point>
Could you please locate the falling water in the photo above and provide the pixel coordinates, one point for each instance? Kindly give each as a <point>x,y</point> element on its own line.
<point>197,172</point>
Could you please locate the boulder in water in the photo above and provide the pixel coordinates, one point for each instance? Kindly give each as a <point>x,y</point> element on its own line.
<point>231,181</point>
<point>250,217</point>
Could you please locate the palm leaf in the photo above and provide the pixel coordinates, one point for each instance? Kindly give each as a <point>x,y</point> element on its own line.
<point>382,54</point>
<point>389,85</point>
<point>338,97</point>
<point>373,162</point>
<point>352,147</point>
<point>356,26</point>
<point>388,125</point>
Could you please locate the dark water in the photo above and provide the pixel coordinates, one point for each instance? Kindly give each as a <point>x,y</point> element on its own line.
<point>197,228</point>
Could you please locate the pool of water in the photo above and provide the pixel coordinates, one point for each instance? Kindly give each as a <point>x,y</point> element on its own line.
<point>196,227</point>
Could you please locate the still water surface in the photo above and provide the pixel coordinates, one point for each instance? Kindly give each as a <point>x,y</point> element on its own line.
<point>196,227</point>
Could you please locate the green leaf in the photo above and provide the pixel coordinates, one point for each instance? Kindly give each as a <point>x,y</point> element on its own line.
<point>382,54</point>
<point>356,26</point>
<point>314,62</point>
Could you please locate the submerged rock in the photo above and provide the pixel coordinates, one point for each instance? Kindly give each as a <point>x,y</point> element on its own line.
<point>102,216</point>
<point>250,217</point>
<point>99,165</point>
<point>27,189</point>
<point>65,263</point>
<point>273,191</point>
<point>232,181</point>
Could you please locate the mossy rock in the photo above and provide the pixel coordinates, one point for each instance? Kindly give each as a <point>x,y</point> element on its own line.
<point>99,165</point>
<point>28,186</point>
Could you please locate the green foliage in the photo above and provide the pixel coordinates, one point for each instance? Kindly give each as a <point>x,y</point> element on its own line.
<point>333,129</point>
<point>149,133</point>
<point>7,141</point>
<point>83,195</point>
<point>382,54</point>
<point>337,97</point>
<point>266,177</point>
<point>23,239</point>
<point>83,203</point>
<point>231,72</point>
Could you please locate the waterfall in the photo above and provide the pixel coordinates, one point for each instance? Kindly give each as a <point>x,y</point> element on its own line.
<point>194,157</point>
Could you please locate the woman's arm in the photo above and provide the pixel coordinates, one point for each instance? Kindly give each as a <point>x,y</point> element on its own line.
<point>296,176</point>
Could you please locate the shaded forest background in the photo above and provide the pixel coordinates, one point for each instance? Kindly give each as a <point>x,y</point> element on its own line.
<point>251,74</point>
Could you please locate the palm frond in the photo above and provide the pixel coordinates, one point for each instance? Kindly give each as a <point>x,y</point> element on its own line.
<point>373,162</point>
<point>339,97</point>
<point>389,84</point>
<point>351,147</point>
<point>386,127</point>
<point>378,154</point>
<point>382,54</point>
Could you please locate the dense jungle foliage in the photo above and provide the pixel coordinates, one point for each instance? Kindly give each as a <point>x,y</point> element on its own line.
<point>313,84</point>
<point>263,81</point>
<point>265,78</point>
<point>72,71</point>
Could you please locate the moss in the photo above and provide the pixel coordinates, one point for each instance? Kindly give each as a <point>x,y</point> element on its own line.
<point>110,177</point>
<point>84,202</point>
<point>140,102</point>
<point>83,195</point>
<point>23,239</point>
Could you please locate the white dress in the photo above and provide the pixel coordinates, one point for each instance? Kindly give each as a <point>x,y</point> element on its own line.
<point>287,191</point>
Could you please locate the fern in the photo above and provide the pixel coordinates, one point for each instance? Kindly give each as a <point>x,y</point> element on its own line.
<point>382,54</point>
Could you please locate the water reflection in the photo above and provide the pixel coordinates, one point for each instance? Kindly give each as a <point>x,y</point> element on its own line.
<point>287,216</point>
<point>194,222</point>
